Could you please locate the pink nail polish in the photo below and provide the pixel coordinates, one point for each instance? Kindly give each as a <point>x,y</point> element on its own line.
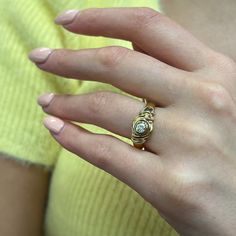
<point>53,123</point>
<point>45,99</point>
<point>66,17</point>
<point>40,55</point>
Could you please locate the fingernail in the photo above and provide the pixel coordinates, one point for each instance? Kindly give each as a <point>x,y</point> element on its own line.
<point>40,55</point>
<point>66,17</point>
<point>53,123</point>
<point>45,99</point>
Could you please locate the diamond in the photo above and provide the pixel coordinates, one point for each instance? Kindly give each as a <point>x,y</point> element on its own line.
<point>141,127</point>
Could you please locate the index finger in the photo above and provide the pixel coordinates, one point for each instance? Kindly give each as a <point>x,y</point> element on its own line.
<point>152,31</point>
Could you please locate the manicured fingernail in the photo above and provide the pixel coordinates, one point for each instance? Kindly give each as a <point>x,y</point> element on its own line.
<point>45,99</point>
<point>40,55</point>
<point>53,123</point>
<point>66,17</point>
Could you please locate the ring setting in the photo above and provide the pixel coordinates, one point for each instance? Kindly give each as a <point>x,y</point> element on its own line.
<point>143,125</point>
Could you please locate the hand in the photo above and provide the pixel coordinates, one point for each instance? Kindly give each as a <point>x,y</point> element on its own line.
<point>188,170</point>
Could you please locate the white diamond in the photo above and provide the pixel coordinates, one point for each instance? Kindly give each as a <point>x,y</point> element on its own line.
<point>141,127</point>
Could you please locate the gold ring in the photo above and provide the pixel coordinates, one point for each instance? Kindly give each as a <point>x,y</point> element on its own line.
<point>143,125</point>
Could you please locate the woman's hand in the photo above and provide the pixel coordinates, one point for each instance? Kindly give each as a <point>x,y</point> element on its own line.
<point>188,171</point>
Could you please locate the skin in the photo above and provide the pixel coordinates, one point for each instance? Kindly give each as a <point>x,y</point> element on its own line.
<point>22,202</point>
<point>211,21</point>
<point>188,171</point>
<point>220,35</point>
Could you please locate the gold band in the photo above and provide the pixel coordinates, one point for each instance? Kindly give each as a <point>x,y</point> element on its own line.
<point>143,125</point>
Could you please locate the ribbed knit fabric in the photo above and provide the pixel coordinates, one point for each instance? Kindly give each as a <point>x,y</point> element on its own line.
<point>83,200</point>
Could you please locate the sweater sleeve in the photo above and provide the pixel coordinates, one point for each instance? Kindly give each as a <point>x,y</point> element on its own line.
<point>26,25</point>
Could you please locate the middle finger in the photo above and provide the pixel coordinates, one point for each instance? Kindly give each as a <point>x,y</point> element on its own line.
<point>131,71</point>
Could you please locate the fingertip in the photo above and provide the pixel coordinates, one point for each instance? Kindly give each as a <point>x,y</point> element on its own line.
<point>40,55</point>
<point>53,124</point>
<point>66,17</point>
<point>45,99</point>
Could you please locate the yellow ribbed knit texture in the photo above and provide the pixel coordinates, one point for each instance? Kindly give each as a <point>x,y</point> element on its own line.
<point>83,200</point>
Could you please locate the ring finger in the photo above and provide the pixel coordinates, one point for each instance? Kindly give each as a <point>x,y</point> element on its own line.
<point>112,111</point>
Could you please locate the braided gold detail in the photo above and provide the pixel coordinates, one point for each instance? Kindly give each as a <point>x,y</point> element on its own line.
<point>143,125</point>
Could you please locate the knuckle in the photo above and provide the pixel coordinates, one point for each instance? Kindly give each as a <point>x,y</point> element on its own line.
<point>195,136</point>
<point>188,183</point>
<point>72,142</point>
<point>224,63</point>
<point>111,56</point>
<point>97,103</point>
<point>228,63</point>
<point>144,16</point>
<point>61,56</point>
<point>216,97</point>
<point>91,15</point>
<point>102,152</point>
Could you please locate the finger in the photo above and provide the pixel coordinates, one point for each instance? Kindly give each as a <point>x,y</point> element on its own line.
<point>111,111</point>
<point>132,166</point>
<point>131,71</point>
<point>150,30</point>
<point>138,49</point>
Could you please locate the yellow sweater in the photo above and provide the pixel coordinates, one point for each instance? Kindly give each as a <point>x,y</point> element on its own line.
<point>83,200</point>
